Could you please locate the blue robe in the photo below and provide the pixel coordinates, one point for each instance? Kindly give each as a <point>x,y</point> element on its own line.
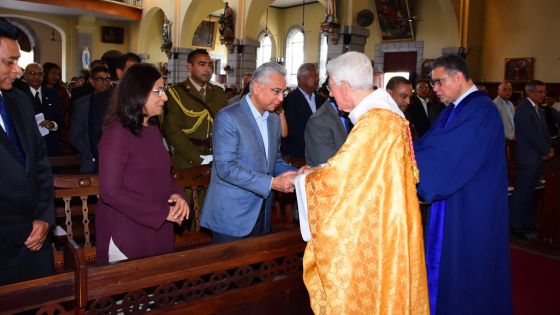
<point>463,163</point>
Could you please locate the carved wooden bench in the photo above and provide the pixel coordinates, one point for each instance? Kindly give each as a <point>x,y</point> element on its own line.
<point>195,182</point>
<point>76,196</point>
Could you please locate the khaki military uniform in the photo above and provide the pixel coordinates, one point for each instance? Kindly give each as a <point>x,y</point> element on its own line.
<point>188,121</point>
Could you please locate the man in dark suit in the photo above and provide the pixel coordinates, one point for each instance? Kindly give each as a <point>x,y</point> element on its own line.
<point>26,189</point>
<point>45,101</point>
<point>325,132</point>
<point>299,105</point>
<point>99,79</point>
<point>418,110</point>
<point>99,103</point>
<point>532,148</point>
<point>400,90</point>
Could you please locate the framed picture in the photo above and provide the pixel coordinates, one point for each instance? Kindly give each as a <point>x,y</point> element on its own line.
<point>518,69</point>
<point>111,34</point>
<point>427,66</point>
<point>393,17</point>
<point>205,34</point>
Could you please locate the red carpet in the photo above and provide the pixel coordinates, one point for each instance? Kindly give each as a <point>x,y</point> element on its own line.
<point>535,283</point>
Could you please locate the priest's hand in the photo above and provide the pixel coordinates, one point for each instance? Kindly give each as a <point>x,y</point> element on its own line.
<point>37,236</point>
<point>284,182</point>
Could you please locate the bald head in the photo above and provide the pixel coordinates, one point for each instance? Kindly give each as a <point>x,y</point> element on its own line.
<point>33,75</point>
<point>505,90</point>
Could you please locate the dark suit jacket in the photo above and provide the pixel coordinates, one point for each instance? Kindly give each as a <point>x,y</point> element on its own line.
<point>297,112</point>
<point>324,135</point>
<point>51,108</point>
<point>26,191</point>
<point>531,134</point>
<point>98,104</point>
<point>79,132</point>
<point>417,116</point>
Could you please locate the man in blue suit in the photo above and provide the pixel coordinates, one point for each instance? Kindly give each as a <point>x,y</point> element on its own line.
<point>247,161</point>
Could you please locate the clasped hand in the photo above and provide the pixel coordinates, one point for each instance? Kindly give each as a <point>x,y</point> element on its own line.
<point>178,209</point>
<point>285,181</point>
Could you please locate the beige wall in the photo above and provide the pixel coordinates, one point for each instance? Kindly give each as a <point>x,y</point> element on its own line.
<point>525,29</point>
<point>314,15</point>
<point>100,48</point>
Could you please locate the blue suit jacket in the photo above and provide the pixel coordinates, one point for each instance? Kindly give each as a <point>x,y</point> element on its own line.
<point>241,173</point>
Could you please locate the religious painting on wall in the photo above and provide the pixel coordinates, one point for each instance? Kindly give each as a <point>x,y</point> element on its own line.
<point>518,69</point>
<point>112,35</point>
<point>393,18</point>
<point>204,35</point>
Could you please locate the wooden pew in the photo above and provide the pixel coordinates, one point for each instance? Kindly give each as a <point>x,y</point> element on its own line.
<point>76,196</point>
<point>195,182</point>
<point>67,164</point>
<point>56,294</point>
<point>244,277</point>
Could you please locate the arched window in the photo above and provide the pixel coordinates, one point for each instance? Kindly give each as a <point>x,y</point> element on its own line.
<point>26,58</point>
<point>264,51</point>
<point>323,49</point>
<point>294,54</point>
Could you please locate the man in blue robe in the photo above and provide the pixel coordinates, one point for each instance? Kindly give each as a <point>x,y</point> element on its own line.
<point>463,174</point>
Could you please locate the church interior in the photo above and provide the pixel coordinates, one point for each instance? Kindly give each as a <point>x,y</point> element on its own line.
<point>501,40</point>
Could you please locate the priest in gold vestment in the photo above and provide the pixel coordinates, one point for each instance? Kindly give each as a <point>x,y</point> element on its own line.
<point>365,254</point>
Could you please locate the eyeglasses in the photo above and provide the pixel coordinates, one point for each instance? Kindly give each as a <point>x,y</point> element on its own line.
<point>437,82</point>
<point>278,91</point>
<point>39,74</point>
<point>102,79</point>
<point>160,91</point>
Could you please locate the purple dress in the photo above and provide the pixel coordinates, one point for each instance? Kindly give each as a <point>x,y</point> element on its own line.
<point>135,184</point>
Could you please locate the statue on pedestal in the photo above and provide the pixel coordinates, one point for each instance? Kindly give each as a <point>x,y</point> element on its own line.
<point>226,27</point>
<point>166,34</point>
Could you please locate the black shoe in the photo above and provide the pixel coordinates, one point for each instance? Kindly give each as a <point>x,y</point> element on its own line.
<point>519,234</point>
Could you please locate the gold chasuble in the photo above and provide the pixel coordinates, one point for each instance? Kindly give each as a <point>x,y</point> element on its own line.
<point>366,253</point>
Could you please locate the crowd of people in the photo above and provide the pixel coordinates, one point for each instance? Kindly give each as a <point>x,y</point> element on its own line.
<point>366,157</point>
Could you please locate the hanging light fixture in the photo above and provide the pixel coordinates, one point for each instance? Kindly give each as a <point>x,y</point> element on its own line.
<point>303,18</point>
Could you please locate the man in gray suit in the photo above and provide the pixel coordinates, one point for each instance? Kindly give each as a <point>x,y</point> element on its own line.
<point>325,132</point>
<point>247,161</point>
<point>506,109</point>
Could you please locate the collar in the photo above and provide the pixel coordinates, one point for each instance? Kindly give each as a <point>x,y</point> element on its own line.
<point>532,103</point>
<point>469,91</point>
<point>377,99</point>
<point>306,95</point>
<point>256,114</point>
<point>196,86</point>
<point>33,91</point>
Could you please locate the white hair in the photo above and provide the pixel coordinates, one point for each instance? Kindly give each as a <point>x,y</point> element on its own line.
<point>352,67</point>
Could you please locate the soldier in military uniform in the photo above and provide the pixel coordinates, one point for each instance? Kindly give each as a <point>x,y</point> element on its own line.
<point>190,110</point>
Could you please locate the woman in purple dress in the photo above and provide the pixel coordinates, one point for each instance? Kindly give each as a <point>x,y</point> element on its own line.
<point>139,201</point>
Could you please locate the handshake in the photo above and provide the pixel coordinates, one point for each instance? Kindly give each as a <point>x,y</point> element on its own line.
<point>285,181</point>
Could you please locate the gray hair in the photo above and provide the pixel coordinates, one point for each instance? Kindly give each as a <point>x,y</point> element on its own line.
<point>304,68</point>
<point>263,71</point>
<point>352,67</point>
<point>532,85</point>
